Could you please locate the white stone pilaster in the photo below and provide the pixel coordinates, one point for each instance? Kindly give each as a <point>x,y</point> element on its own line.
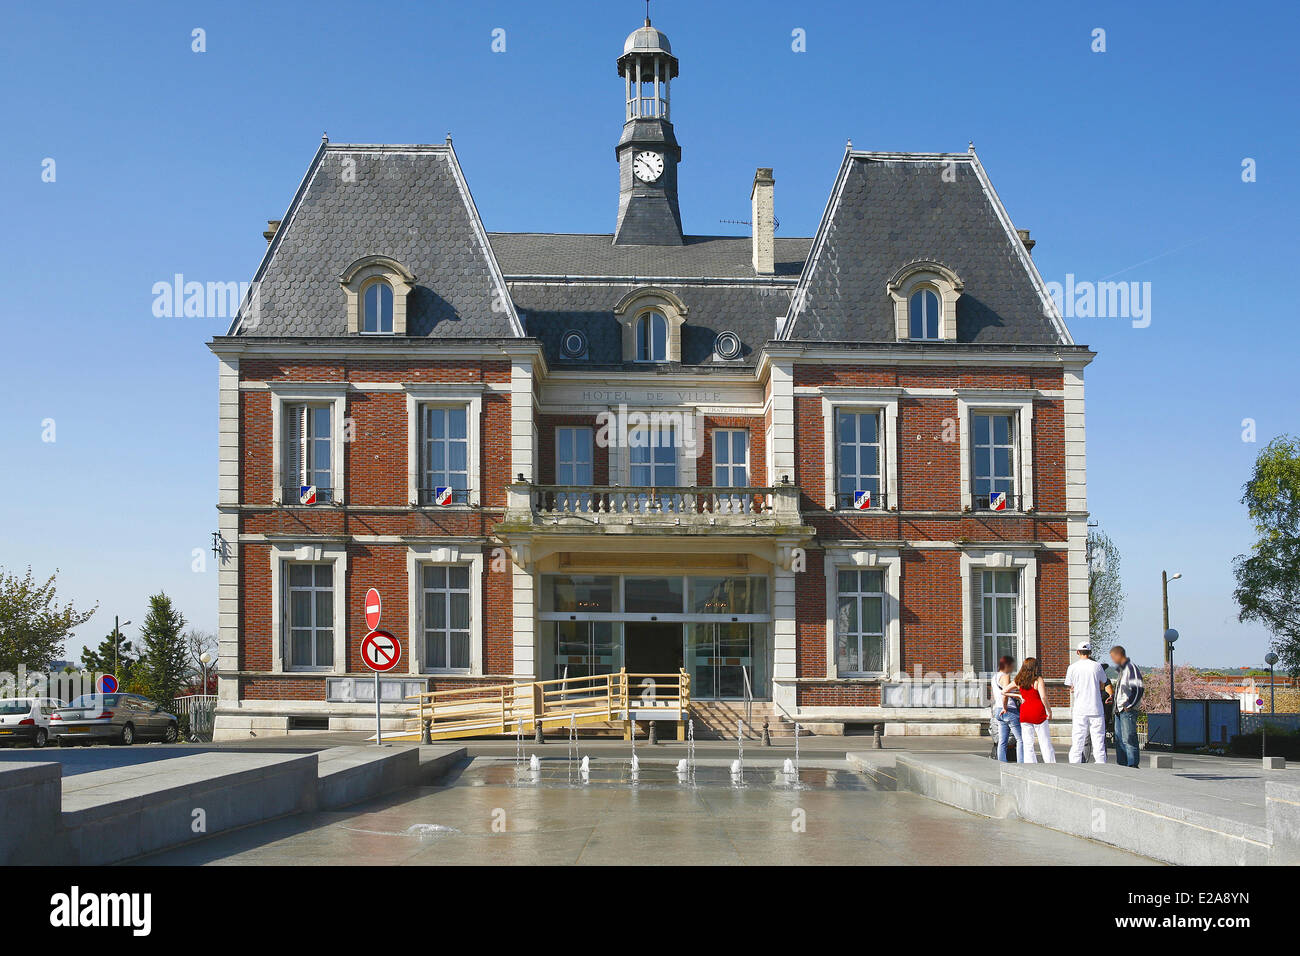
<point>524,601</point>
<point>521,420</point>
<point>228,610</point>
<point>783,638</point>
<point>1076,502</point>
<point>783,446</point>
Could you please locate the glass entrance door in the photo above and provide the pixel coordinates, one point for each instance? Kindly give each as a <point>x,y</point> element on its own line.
<point>585,648</point>
<point>720,654</point>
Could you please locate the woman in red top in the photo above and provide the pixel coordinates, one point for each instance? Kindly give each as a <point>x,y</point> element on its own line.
<point>1034,712</point>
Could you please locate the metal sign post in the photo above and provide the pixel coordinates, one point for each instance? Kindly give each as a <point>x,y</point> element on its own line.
<point>381,652</point>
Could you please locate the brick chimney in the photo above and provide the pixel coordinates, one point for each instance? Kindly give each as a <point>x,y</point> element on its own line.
<point>764,219</point>
<point>271,226</point>
<point>1028,243</point>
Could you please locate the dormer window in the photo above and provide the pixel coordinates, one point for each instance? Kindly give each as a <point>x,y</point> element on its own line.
<point>651,337</point>
<point>925,295</point>
<point>377,307</point>
<point>923,314</point>
<point>375,291</point>
<point>652,322</point>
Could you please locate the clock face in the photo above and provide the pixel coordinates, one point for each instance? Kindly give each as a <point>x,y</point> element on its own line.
<point>648,166</point>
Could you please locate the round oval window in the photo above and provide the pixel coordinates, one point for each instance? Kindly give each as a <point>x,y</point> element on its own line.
<point>727,345</point>
<point>574,344</point>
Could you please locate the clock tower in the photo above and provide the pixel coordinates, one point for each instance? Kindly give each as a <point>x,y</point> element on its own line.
<point>647,152</point>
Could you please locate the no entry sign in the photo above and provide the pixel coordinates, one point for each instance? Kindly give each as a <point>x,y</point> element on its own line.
<point>381,651</point>
<point>374,609</point>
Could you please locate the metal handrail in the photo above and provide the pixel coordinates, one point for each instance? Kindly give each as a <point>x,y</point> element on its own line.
<point>786,714</point>
<point>749,697</point>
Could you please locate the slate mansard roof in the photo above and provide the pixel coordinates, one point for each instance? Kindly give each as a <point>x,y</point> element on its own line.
<point>410,203</point>
<point>886,210</point>
<point>890,209</point>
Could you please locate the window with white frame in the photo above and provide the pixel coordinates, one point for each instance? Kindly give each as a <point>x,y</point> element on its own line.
<point>997,617</point>
<point>444,454</point>
<point>923,314</point>
<point>993,460</point>
<point>573,467</point>
<point>925,295</point>
<point>731,458</point>
<point>310,615</point>
<point>573,456</point>
<point>860,622</point>
<point>652,457</point>
<point>446,617</point>
<point>308,463</point>
<point>858,454</point>
<point>651,335</point>
<point>377,307</point>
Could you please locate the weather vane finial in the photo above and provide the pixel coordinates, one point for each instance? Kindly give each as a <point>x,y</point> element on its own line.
<point>647,12</point>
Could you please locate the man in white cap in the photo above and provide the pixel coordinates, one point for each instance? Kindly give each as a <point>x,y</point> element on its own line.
<point>1086,678</point>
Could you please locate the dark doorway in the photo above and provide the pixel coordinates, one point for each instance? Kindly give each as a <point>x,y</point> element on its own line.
<point>652,648</point>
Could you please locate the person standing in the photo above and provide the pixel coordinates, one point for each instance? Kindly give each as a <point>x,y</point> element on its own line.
<point>1086,678</point>
<point>1006,709</point>
<point>1127,695</point>
<point>1034,712</point>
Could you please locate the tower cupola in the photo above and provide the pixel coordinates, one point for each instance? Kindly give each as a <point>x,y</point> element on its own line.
<point>647,67</point>
<point>647,152</point>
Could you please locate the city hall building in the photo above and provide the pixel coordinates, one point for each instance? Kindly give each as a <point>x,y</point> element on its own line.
<point>838,476</point>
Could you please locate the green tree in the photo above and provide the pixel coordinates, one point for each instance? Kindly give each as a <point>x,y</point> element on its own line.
<point>1105,592</point>
<point>164,652</point>
<point>1268,579</point>
<point>100,660</point>
<point>33,627</point>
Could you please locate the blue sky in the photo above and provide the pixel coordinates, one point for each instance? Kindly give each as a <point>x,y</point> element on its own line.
<point>1125,164</point>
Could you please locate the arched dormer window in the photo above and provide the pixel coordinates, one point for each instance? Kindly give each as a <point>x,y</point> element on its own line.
<point>925,295</point>
<point>652,322</point>
<point>375,290</point>
<point>923,314</point>
<point>651,337</point>
<point>377,307</point>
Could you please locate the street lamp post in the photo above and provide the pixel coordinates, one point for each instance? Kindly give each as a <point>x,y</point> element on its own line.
<point>1165,578</point>
<point>1270,659</point>
<point>1170,637</point>
<point>117,640</point>
<point>205,658</point>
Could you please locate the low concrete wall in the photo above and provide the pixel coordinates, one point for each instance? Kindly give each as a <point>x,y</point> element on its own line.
<point>107,816</point>
<point>351,774</point>
<point>1150,822</point>
<point>1282,811</point>
<point>113,815</point>
<point>436,761</point>
<point>30,830</point>
<point>1187,819</point>
<point>965,781</point>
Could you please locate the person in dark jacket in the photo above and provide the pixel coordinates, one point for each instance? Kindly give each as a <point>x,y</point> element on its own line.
<point>1126,696</point>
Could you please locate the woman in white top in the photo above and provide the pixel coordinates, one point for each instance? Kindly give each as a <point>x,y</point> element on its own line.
<point>1006,710</point>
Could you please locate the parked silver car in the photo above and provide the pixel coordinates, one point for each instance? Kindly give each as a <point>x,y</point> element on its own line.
<point>113,718</point>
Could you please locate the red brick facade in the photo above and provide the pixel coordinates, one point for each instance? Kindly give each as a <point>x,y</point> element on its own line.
<point>925,507</point>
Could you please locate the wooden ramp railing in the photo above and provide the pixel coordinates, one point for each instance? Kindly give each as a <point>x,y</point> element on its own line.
<point>509,709</point>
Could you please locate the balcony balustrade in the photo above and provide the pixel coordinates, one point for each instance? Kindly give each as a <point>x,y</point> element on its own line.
<point>649,507</point>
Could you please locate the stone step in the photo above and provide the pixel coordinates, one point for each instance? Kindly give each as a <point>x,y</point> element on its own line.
<point>717,720</point>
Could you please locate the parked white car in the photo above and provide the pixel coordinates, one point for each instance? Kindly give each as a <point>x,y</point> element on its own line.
<point>27,720</point>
